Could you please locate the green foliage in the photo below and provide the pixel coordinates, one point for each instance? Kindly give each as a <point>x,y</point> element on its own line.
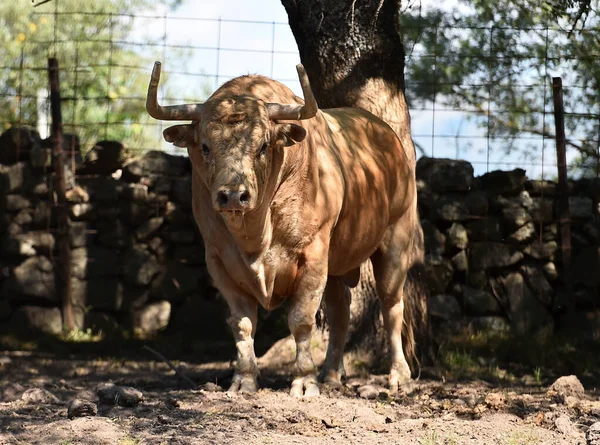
<point>103,78</point>
<point>496,59</point>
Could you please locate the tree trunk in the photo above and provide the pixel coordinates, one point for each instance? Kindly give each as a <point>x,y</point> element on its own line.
<point>354,57</point>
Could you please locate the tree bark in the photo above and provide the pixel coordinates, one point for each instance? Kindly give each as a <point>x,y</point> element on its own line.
<point>354,57</point>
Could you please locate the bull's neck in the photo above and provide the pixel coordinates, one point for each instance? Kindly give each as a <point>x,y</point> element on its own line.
<point>252,231</point>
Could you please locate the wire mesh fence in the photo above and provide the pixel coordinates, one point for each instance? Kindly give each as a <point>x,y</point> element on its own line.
<point>495,115</point>
<point>133,236</point>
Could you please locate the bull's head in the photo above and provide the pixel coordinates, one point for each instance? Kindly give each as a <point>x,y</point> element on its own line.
<point>234,140</point>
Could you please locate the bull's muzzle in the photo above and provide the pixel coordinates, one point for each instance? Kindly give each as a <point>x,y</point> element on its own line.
<point>227,200</point>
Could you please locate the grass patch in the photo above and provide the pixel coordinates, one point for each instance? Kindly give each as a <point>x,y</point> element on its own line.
<point>503,356</point>
<point>81,336</point>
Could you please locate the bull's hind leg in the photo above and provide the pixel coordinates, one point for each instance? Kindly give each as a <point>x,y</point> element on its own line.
<point>337,310</point>
<point>390,266</point>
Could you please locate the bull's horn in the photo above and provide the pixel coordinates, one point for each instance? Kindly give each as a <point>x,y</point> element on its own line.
<point>296,112</point>
<point>170,112</point>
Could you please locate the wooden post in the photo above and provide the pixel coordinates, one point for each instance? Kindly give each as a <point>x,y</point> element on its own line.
<point>63,268</point>
<point>562,202</point>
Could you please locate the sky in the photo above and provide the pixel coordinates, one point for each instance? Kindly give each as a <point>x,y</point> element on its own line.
<point>209,42</point>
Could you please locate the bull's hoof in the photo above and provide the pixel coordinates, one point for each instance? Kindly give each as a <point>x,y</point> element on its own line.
<point>398,377</point>
<point>305,387</point>
<point>243,385</point>
<point>331,378</point>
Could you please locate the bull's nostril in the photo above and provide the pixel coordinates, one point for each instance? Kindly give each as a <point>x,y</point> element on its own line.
<point>245,197</point>
<point>222,198</point>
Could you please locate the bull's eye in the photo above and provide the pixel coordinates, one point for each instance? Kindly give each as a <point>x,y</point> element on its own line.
<point>263,150</point>
<point>205,150</point>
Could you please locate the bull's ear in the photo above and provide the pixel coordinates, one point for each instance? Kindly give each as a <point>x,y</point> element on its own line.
<point>180,135</point>
<point>291,134</point>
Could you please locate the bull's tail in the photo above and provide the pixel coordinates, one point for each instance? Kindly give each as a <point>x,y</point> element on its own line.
<point>416,330</point>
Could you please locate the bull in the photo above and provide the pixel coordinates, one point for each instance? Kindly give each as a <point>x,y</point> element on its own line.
<point>290,200</point>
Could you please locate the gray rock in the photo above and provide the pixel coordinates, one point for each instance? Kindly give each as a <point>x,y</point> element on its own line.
<point>14,203</point>
<point>541,210</point>
<point>150,227</point>
<point>140,266</point>
<point>151,318</point>
<point>477,278</point>
<point>451,209</point>
<point>550,271</point>
<point>488,255</point>
<point>368,392</point>
<point>460,261</point>
<point>541,251</point>
<point>101,189</point>
<point>566,386</point>
<point>485,229</point>
<point>445,175</point>
<point>504,181</point>
<point>524,233</point>
<point>592,231</point>
<point>34,277</point>
<point>477,203</point>
<point>480,302</point>
<point>83,212</point>
<point>434,239</point>
<point>16,143</point>
<point>104,158</point>
<point>44,319</point>
<point>592,435</point>
<point>528,314</point>
<point>444,306</point>
<point>515,217</point>
<point>580,207</point>
<point>111,394</point>
<point>537,187</point>
<point>81,408</point>
<point>27,244</point>
<point>438,273</point>
<point>39,396</point>
<point>156,163</point>
<point>490,324</point>
<point>457,237</point>
<point>537,282</point>
<point>135,192</point>
<point>78,234</point>
<point>12,177</point>
<point>550,232</point>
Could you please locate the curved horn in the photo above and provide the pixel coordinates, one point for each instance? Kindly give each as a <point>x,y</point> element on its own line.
<point>296,112</point>
<point>170,112</point>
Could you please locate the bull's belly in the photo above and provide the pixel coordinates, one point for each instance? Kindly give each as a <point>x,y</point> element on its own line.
<point>351,246</point>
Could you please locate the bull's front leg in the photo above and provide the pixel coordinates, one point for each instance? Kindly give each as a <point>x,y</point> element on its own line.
<point>301,320</point>
<point>242,322</point>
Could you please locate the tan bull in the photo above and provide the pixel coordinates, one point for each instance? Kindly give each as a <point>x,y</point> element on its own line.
<point>290,200</point>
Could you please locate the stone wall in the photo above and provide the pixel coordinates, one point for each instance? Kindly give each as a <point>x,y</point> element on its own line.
<point>492,244</point>
<point>136,252</point>
<point>493,247</point>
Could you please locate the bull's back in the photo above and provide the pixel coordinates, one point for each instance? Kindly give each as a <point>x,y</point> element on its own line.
<point>377,185</point>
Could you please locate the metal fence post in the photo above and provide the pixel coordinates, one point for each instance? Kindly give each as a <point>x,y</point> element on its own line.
<point>63,268</point>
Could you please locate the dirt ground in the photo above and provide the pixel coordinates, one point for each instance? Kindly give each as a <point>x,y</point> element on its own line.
<point>430,411</point>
